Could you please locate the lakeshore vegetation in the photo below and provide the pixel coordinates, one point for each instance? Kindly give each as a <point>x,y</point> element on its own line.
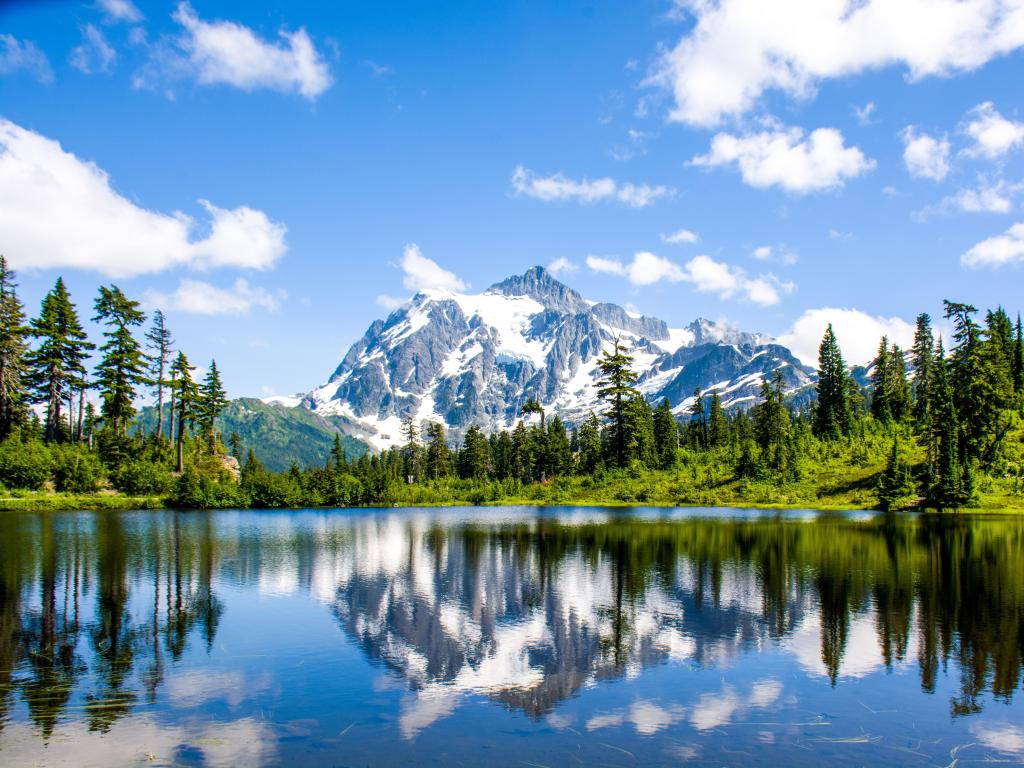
<point>929,428</point>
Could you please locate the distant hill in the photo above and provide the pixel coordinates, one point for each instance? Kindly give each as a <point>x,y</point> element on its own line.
<point>277,433</point>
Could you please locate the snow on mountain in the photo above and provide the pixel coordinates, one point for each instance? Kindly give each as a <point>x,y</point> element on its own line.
<point>465,359</point>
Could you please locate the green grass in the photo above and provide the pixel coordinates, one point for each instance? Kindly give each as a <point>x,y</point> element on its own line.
<point>30,501</point>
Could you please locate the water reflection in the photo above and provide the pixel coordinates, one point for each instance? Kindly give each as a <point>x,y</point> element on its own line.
<point>99,612</point>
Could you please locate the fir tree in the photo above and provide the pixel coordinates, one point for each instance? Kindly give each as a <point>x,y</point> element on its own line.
<point>473,459</point>
<point>212,400</point>
<point>411,452</point>
<point>57,364</point>
<point>948,486</point>
<point>666,435</point>
<point>122,368</point>
<point>159,342</point>
<point>881,385</point>
<point>640,432</point>
<point>698,420</point>
<point>616,389</point>
<point>832,418</point>
<point>558,453</point>
<point>13,348</point>
<point>900,401</point>
<point>771,422</point>
<point>438,456</point>
<point>186,394</point>
<point>533,406</point>
<point>895,486</point>
<point>338,457</point>
<point>924,344</point>
<point>589,438</point>
<point>1018,359</point>
<point>717,424</point>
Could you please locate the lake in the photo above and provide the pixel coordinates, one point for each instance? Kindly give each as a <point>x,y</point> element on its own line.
<point>510,636</point>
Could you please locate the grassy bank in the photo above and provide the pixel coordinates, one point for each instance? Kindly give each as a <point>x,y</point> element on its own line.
<point>30,501</point>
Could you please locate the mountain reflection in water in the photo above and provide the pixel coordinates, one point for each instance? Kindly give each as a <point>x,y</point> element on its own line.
<point>102,615</point>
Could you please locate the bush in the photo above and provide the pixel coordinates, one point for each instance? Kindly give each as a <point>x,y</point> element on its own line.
<point>198,490</point>
<point>141,477</point>
<point>75,469</point>
<point>24,465</point>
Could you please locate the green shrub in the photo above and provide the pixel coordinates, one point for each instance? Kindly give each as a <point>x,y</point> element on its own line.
<point>24,465</point>
<point>141,477</point>
<point>75,469</point>
<point>198,490</point>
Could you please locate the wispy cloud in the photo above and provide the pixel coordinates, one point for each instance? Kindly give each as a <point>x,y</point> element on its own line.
<point>558,187</point>
<point>201,298</point>
<point>17,55</point>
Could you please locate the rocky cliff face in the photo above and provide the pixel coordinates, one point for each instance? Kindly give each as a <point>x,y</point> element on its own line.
<point>465,359</point>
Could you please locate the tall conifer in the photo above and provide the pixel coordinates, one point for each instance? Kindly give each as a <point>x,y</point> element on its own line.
<point>832,418</point>
<point>616,389</point>
<point>13,348</point>
<point>122,368</point>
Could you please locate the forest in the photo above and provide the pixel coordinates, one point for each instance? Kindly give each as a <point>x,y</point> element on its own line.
<point>929,428</point>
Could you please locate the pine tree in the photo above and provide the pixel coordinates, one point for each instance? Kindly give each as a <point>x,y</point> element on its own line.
<point>772,423</point>
<point>338,458</point>
<point>1018,359</point>
<point>589,439</point>
<point>159,343</point>
<point>900,401</point>
<point>57,364</point>
<point>212,400</point>
<point>666,435</point>
<point>895,486</point>
<point>122,368</point>
<point>616,389</point>
<point>924,344</point>
<point>881,386</point>
<point>186,394</point>
<point>13,348</point>
<point>473,459</point>
<point>640,432</point>
<point>558,453</point>
<point>533,406</point>
<point>948,486</point>
<point>718,427</point>
<point>832,416</point>
<point>522,464</point>
<point>698,421</point>
<point>438,456</point>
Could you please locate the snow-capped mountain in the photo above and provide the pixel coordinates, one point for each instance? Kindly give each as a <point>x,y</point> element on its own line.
<point>465,359</point>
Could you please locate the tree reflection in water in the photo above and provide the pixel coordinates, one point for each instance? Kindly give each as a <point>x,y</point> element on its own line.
<point>521,607</point>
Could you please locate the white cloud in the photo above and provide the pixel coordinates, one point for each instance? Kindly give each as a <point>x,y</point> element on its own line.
<point>228,53</point>
<point>992,133</point>
<point>987,197</point>
<point>998,250</point>
<point>839,234</point>
<point>1002,737</point>
<point>559,187</point>
<point>680,236</point>
<point>18,54</point>
<point>926,157</point>
<point>94,53</point>
<point>704,273</point>
<point>561,265</point>
<point>739,49</point>
<point>201,298</point>
<point>780,254</point>
<point>863,114</point>
<point>762,252</point>
<point>390,303</point>
<point>423,273</point>
<point>782,157</point>
<point>121,10</point>
<point>858,333</point>
<point>101,230</point>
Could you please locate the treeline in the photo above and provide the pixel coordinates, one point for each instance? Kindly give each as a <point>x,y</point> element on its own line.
<point>939,419</point>
<point>66,442</point>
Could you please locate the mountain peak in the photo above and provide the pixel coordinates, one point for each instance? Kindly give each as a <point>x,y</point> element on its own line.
<point>542,286</point>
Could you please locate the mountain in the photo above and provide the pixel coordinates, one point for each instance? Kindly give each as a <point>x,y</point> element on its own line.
<point>278,433</point>
<point>465,359</point>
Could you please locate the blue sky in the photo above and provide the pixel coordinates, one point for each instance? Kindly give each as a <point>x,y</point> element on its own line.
<point>260,171</point>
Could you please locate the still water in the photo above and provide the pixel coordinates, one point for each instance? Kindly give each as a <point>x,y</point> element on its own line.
<point>510,636</point>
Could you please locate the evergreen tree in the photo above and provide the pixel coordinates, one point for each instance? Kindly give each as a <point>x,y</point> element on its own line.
<point>212,400</point>
<point>122,368</point>
<point>473,459</point>
<point>186,394</point>
<point>159,342</point>
<point>533,406</point>
<point>698,421</point>
<point>640,432</point>
<point>924,345</point>
<point>832,413</point>
<point>616,389</point>
<point>589,439</point>
<point>900,401</point>
<point>772,423</point>
<point>948,485</point>
<point>338,457</point>
<point>666,435</point>
<point>1018,359</point>
<point>558,454</point>
<point>895,486</point>
<point>881,385</point>
<point>13,348</point>
<point>501,454</point>
<point>57,364</point>
<point>522,465</point>
<point>411,452</point>
<point>718,426</point>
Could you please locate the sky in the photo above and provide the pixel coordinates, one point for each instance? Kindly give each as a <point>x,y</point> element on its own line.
<point>276,176</point>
